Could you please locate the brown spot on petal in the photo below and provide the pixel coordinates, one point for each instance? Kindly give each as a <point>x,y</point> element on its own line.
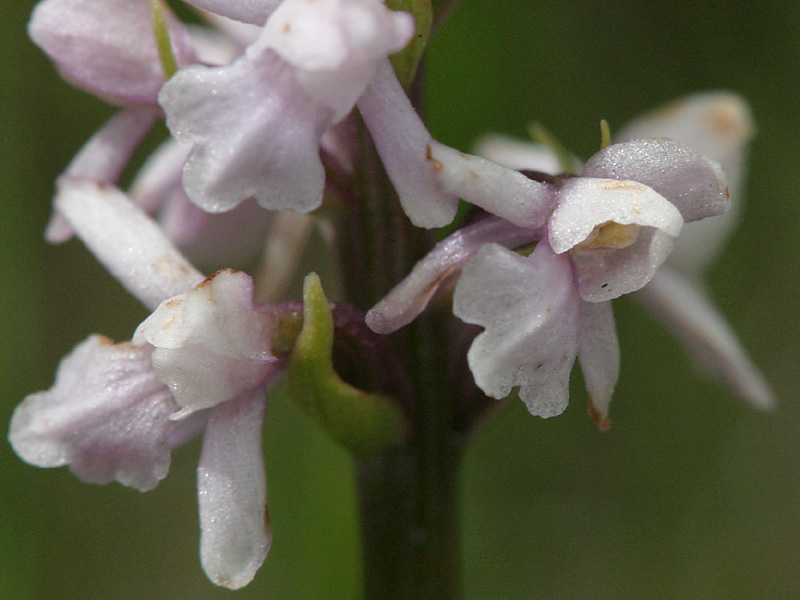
<point>602,421</point>
<point>726,119</point>
<point>616,184</point>
<point>474,174</point>
<point>437,165</point>
<point>287,27</point>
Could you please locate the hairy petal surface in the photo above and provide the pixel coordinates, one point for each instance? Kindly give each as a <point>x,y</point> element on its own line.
<point>410,297</point>
<point>531,312</point>
<point>107,417</point>
<point>336,45</point>
<point>403,143</point>
<point>107,47</point>
<point>255,133</point>
<point>211,343</point>
<point>598,354</point>
<point>694,183</point>
<point>235,533</point>
<point>689,313</point>
<point>125,240</point>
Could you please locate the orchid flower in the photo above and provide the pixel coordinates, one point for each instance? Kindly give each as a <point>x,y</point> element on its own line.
<point>202,360</point>
<point>257,123</point>
<point>600,235</point>
<point>719,125</point>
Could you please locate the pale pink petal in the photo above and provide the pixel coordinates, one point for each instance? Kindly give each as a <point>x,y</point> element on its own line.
<point>531,312</point>
<point>211,343</point>
<point>336,45</point>
<point>603,276</point>
<point>598,354</point>
<point>501,191</point>
<point>720,125</point>
<point>521,155</point>
<point>247,11</point>
<point>125,240</point>
<point>235,533</point>
<point>586,205</point>
<point>689,313</point>
<point>694,183</point>
<point>255,133</point>
<point>107,417</point>
<point>107,47</point>
<point>403,143</point>
<point>104,157</point>
<point>410,297</point>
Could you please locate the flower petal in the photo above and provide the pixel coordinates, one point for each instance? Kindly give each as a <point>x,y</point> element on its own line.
<point>107,47</point>
<point>720,125</point>
<point>530,309</point>
<point>521,155</point>
<point>689,313</point>
<point>255,12</point>
<point>694,183</point>
<point>585,204</point>
<point>107,416</point>
<point>130,245</point>
<point>501,191</point>
<point>402,142</point>
<point>336,45</point>
<point>256,133</point>
<point>104,157</point>
<point>598,355</point>
<point>211,343</point>
<point>410,297</point>
<point>235,533</point>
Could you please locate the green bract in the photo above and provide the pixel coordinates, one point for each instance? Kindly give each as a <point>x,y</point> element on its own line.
<point>364,423</point>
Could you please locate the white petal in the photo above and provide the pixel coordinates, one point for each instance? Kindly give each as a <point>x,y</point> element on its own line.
<point>235,533</point>
<point>410,297</point>
<point>720,125</point>
<point>107,416</point>
<point>104,157</point>
<point>256,133</point>
<point>598,355</point>
<point>685,308</point>
<point>694,183</point>
<point>403,144</point>
<point>247,11</point>
<point>336,45</point>
<point>501,191</point>
<point>530,309</point>
<point>585,203</point>
<point>107,47</point>
<point>211,343</point>
<point>521,155</point>
<point>128,243</point>
<point>603,276</point>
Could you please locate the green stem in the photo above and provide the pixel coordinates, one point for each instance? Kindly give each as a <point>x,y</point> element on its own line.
<point>408,496</point>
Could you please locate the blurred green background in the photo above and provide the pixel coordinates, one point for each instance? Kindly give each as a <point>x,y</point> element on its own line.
<point>690,495</point>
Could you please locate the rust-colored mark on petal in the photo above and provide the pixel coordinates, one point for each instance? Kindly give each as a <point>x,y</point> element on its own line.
<point>437,165</point>
<point>474,174</point>
<point>602,421</point>
<point>727,120</point>
<point>616,184</point>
